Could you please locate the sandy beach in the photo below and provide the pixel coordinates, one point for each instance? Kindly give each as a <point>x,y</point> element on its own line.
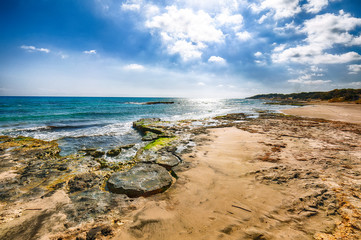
<point>275,177</point>
<point>278,179</point>
<point>332,111</point>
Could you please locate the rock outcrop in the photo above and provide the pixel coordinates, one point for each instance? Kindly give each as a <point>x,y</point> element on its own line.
<point>141,180</point>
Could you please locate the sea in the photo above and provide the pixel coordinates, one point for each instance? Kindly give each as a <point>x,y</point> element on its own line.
<point>104,122</point>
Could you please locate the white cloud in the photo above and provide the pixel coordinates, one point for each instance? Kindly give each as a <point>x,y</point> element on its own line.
<point>212,5</point>
<point>329,29</point>
<point>233,21</point>
<point>310,55</point>
<point>278,8</point>
<point>243,36</point>
<point>186,49</point>
<point>354,68</point>
<point>258,54</point>
<point>288,28</point>
<point>356,84</point>
<point>34,49</point>
<point>306,79</point>
<point>316,69</point>
<point>90,52</point>
<point>186,32</point>
<point>315,6</point>
<point>134,67</point>
<point>323,33</point>
<point>280,48</point>
<point>131,5</point>
<point>309,82</point>
<point>201,84</point>
<point>218,60</point>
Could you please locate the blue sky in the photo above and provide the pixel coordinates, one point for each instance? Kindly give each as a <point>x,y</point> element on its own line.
<point>178,48</point>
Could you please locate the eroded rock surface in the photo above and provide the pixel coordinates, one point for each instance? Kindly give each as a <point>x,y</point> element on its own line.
<point>141,180</point>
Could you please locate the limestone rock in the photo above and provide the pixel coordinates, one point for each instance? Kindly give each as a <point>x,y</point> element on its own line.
<point>83,182</point>
<point>163,158</point>
<point>150,136</point>
<point>141,180</point>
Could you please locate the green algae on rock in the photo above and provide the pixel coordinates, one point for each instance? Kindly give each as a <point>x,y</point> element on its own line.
<point>159,143</point>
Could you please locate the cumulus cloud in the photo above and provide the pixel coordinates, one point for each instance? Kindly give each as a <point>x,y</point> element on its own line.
<point>278,8</point>
<point>244,36</point>
<point>323,33</point>
<point>186,32</point>
<point>233,21</point>
<point>354,68</point>
<point>34,49</point>
<point>90,52</point>
<point>258,54</point>
<point>134,67</point>
<point>315,6</point>
<point>218,60</point>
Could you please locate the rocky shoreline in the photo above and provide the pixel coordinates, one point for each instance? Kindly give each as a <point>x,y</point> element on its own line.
<point>85,196</point>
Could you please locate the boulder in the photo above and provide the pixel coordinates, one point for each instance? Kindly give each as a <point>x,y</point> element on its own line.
<point>141,180</point>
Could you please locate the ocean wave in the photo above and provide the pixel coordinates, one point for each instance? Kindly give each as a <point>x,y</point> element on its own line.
<point>50,133</point>
<point>135,103</point>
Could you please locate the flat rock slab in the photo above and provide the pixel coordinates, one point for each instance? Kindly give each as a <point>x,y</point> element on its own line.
<point>141,180</point>
<point>165,159</point>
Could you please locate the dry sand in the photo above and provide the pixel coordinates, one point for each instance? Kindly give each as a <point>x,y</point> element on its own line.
<point>331,111</point>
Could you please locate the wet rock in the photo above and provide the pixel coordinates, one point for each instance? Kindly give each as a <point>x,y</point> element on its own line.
<point>127,146</point>
<point>113,152</point>
<point>83,181</point>
<point>232,117</point>
<point>155,103</point>
<point>97,154</point>
<point>88,151</point>
<point>141,180</point>
<point>150,136</point>
<point>147,124</point>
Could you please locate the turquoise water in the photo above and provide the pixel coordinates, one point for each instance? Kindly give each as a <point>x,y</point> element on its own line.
<point>83,122</point>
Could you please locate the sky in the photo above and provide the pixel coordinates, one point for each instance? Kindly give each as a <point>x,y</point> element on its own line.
<point>178,48</point>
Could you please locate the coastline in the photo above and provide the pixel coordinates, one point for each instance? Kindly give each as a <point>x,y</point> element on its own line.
<point>275,177</point>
